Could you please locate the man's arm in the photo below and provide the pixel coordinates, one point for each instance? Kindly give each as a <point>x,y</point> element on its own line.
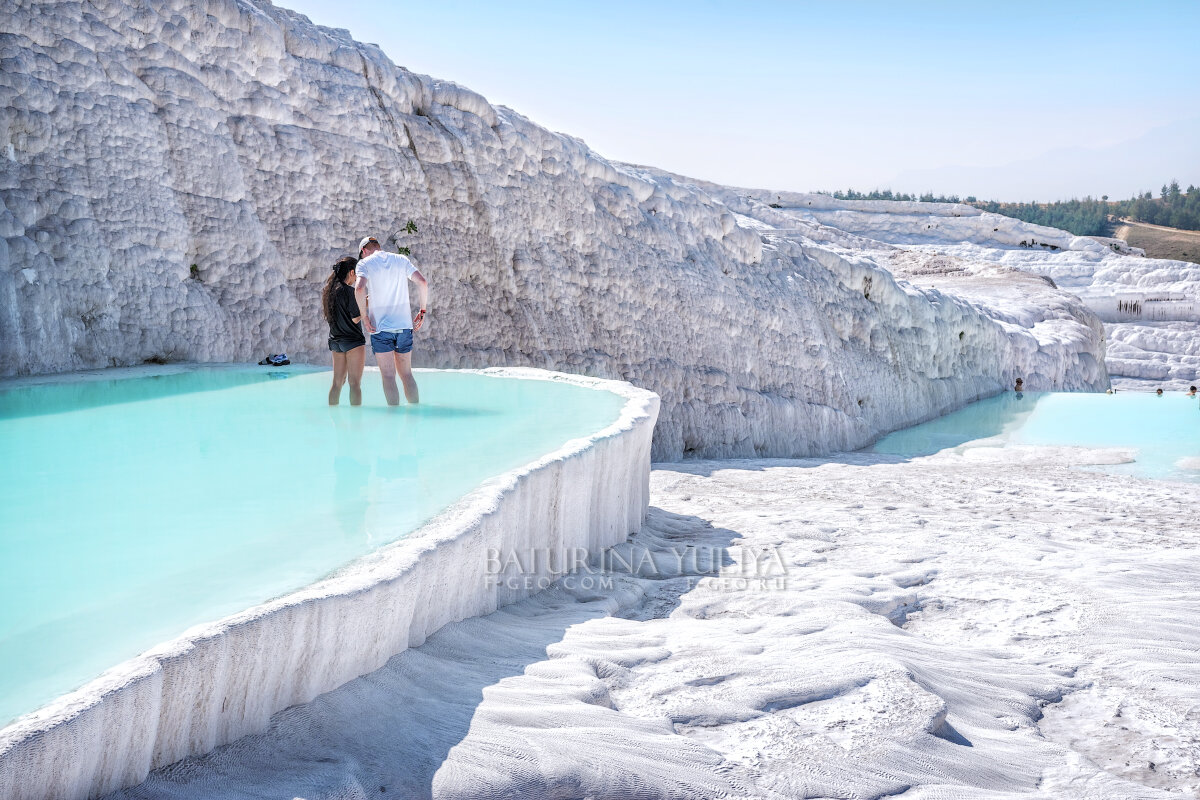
<point>423,293</point>
<point>360,297</point>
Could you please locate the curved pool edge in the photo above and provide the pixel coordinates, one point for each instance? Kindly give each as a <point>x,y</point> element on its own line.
<point>220,681</point>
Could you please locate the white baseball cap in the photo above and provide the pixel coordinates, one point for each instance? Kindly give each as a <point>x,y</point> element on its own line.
<point>366,240</point>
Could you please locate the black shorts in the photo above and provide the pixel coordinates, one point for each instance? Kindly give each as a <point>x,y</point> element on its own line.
<point>345,345</point>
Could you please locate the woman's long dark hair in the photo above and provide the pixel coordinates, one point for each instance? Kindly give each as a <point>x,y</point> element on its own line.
<point>340,270</point>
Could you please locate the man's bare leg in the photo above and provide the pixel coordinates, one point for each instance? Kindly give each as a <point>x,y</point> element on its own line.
<point>339,377</point>
<point>404,367</point>
<point>355,360</point>
<point>387,371</point>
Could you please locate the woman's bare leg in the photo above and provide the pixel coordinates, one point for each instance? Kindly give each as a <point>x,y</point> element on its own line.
<point>339,377</point>
<point>355,360</point>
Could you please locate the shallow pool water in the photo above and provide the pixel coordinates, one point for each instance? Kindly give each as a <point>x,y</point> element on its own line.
<point>1164,431</point>
<point>132,509</point>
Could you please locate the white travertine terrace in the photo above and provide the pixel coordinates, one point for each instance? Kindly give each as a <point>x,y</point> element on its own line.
<point>178,177</point>
<point>994,623</point>
<point>224,680</point>
<point>1150,307</point>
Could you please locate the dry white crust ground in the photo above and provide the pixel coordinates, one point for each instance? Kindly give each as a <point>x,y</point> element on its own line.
<point>950,628</point>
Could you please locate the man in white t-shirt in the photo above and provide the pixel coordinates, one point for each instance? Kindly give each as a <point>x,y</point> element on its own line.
<point>382,295</point>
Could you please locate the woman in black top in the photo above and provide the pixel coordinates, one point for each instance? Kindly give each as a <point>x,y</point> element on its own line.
<point>346,338</point>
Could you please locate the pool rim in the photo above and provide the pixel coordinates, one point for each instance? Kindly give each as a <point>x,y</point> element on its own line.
<point>359,576</point>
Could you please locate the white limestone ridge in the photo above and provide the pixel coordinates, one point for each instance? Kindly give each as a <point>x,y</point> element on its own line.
<point>180,177</point>
<point>1150,307</point>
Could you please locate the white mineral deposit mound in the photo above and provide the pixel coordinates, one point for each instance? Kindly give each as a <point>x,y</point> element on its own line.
<point>178,177</point>
<point>1150,307</point>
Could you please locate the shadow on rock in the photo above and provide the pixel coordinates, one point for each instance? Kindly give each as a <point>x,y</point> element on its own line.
<point>387,733</point>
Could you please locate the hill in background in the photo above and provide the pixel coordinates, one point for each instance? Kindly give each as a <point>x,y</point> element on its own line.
<point>1159,241</point>
<point>1166,226</point>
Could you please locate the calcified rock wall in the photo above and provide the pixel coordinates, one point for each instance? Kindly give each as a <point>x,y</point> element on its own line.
<point>178,177</point>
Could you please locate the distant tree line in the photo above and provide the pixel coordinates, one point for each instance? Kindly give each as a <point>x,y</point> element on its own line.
<point>888,194</point>
<point>1174,208</point>
<point>1086,217</point>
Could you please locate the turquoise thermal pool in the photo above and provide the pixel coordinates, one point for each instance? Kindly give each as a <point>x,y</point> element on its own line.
<point>1164,431</point>
<point>132,509</point>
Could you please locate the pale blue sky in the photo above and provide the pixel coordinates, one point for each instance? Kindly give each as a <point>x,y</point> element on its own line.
<point>797,95</point>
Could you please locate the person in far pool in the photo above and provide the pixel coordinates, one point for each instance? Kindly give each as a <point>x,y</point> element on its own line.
<point>346,340</point>
<point>382,292</point>
<point>1191,391</point>
<point>1159,392</point>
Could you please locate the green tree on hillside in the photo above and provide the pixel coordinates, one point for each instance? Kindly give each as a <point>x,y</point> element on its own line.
<point>1173,207</point>
<point>888,194</point>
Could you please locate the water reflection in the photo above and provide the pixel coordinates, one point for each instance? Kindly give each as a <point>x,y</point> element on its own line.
<point>23,398</point>
<point>1160,433</point>
<point>431,411</point>
<point>351,475</point>
<point>981,420</point>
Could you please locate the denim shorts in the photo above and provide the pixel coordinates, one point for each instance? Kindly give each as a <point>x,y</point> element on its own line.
<point>392,341</point>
